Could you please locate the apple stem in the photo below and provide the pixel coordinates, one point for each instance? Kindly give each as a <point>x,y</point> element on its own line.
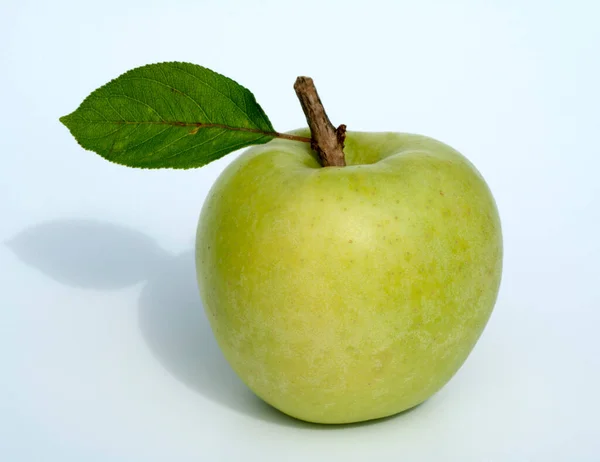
<point>327,141</point>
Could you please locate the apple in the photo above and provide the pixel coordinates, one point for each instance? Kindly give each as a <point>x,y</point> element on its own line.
<point>344,294</point>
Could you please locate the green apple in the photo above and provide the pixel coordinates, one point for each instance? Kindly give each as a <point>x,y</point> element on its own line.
<point>343,294</point>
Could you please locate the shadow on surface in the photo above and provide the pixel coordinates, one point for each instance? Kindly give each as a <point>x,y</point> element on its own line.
<point>102,256</point>
<point>87,254</point>
<point>172,321</point>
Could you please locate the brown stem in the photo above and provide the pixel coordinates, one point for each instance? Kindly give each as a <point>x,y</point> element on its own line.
<point>327,141</point>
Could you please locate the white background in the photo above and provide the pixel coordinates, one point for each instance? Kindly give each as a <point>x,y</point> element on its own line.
<point>105,354</point>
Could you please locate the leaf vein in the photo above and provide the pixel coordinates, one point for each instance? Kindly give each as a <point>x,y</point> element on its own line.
<point>196,145</point>
<point>216,90</point>
<point>135,146</point>
<point>172,88</point>
<point>106,135</point>
<point>116,95</point>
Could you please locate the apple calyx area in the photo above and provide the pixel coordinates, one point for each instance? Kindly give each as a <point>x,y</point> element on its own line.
<point>327,141</point>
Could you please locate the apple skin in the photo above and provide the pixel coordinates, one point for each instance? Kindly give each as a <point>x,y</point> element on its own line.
<point>345,294</point>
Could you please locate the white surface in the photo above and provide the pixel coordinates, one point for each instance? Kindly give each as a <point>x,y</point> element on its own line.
<point>105,352</point>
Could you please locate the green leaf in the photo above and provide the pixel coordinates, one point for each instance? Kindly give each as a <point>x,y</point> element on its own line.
<point>169,115</point>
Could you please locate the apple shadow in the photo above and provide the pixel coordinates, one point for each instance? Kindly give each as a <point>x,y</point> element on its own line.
<point>102,256</point>
<point>87,254</point>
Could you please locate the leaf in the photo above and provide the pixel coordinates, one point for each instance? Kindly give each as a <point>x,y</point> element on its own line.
<point>169,115</point>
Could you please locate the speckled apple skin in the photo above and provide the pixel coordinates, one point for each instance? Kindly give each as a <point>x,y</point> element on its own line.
<point>344,294</point>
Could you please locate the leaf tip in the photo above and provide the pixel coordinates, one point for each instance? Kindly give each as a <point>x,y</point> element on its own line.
<point>65,120</point>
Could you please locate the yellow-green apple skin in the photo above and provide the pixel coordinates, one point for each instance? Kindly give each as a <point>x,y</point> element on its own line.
<point>343,294</point>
